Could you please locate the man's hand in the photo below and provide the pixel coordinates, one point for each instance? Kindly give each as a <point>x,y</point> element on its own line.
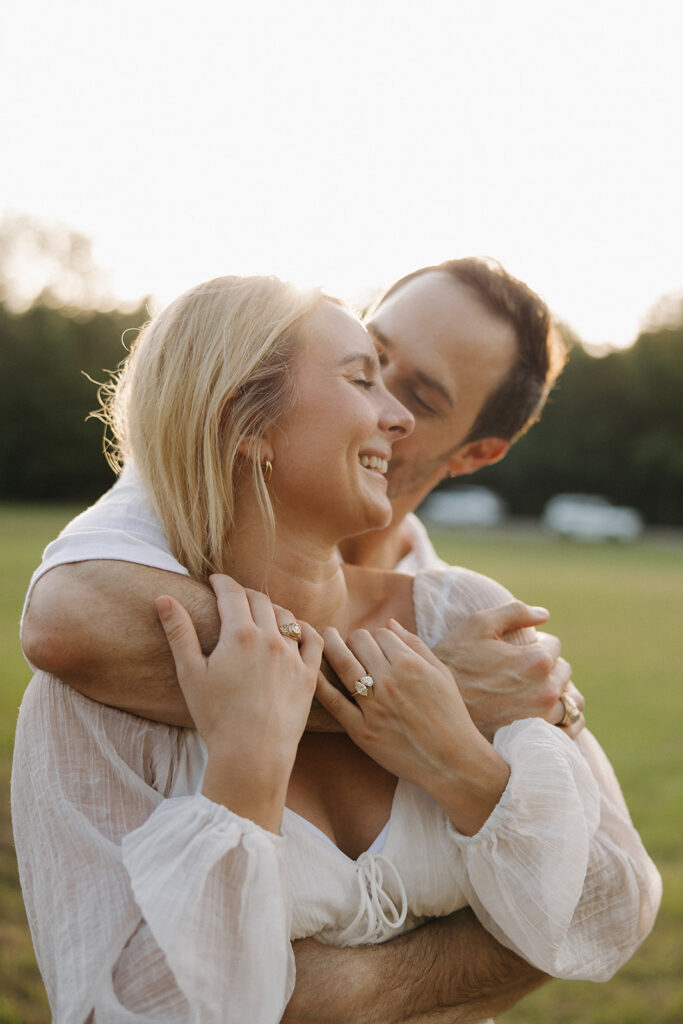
<point>450,971</point>
<point>503,681</point>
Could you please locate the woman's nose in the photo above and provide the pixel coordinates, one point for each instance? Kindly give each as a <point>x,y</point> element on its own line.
<point>395,418</point>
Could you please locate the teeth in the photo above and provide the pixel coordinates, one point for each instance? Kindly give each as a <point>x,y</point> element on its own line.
<point>374,462</point>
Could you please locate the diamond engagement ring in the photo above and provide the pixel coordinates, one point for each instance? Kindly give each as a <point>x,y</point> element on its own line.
<point>572,712</point>
<point>362,685</point>
<point>291,630</point>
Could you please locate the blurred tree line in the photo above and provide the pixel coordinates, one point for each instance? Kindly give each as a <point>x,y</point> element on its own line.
<point>58,323</point>
<point>613,425</point>
<point>49,450</point>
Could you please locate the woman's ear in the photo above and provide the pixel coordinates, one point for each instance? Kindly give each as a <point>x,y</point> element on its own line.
<point>256,448</point>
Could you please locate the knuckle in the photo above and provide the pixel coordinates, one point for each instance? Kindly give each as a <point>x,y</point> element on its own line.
<point>403,663</point>
<point>310,678</point>
<point>563,670</point>
<point>274,644</point>
<point>383,634</point>
<point>335,702</point>
<point>517,609</point>
<point>550,641</point>
<point>175,631</point>
<point>547,698</point>
<point>390,688</point>
<point>314,638</point>
<point>245,635</point>
<point>542,662</point>
<point>346,664</point>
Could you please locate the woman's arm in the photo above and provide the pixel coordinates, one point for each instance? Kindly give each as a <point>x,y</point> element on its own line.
<point>169,907</point>
<point>546,856</point>
<point>128,893</point>
<point>558,873</point>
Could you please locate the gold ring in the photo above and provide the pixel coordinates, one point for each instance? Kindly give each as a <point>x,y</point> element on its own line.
<point>292,630</point>
<point>572,712</point>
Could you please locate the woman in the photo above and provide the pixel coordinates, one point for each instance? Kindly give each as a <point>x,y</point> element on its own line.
<point>180,866</point>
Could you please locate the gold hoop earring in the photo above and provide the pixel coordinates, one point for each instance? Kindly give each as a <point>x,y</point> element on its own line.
<point>267,470</point>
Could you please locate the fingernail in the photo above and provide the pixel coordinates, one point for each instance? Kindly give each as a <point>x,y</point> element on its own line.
<point>164,607</point>
<point>393,624</point>
<point>537,610</point>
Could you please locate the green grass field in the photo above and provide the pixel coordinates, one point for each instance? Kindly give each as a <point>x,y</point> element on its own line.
<point>618,611</point>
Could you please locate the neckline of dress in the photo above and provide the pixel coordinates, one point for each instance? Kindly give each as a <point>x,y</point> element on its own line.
<point>382,838</point>
<point>418,579</point>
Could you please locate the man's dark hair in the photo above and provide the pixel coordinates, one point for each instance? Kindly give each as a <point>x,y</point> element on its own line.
<point>517,402</point>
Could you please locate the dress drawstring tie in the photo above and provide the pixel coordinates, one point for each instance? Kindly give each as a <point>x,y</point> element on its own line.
<point>380,911</point>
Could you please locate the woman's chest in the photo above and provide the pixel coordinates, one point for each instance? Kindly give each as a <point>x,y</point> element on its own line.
<point>341,791</point>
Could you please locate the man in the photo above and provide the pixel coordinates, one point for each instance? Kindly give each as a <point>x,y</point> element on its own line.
<point>470,351</point>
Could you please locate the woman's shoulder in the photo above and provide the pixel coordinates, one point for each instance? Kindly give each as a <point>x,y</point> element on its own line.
<point>442,597</point>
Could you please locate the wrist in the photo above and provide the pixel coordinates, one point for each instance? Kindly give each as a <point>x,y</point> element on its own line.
<point>248,795</point>
<point>471,787</point>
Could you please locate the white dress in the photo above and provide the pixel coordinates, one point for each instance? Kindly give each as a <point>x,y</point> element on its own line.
<point>148,902</point>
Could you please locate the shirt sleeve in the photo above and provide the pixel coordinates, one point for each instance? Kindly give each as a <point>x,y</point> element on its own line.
<point>557,873</point>
<point>122,525</point>
<point>422,554</point>
<point>143,905</point>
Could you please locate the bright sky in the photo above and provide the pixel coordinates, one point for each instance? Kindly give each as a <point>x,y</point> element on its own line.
<point>346,142</point>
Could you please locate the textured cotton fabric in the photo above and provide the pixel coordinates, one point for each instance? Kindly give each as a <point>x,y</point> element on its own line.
<point>422,554</point>
<point>148,902</point>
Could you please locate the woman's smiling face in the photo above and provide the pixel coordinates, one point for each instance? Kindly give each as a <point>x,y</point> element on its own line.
<point>331,449</point>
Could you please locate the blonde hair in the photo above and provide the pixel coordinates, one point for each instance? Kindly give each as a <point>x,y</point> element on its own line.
<point>207,374</point>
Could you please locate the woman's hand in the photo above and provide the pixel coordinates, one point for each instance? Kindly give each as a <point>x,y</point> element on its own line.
<point>413,721</point>
<point>249,699</point>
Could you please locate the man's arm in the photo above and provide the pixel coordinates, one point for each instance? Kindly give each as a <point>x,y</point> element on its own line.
<point>94,625</point>
<point>449,971</point>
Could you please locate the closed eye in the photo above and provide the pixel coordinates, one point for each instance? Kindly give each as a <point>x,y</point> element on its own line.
<point>419,402</point>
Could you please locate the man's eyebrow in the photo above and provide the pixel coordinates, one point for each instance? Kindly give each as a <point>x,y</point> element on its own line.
<point>377,334</point>
<point>424,378</point>
<point>369,361</point>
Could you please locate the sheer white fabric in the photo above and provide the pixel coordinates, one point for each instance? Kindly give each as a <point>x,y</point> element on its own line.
<point>422,554</point>
<point>147,901</point>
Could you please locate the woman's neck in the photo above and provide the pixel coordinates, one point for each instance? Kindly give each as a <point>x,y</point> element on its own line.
<point>305,575</point>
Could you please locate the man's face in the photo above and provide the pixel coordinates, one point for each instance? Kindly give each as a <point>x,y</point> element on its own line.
<point>442,353</point>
